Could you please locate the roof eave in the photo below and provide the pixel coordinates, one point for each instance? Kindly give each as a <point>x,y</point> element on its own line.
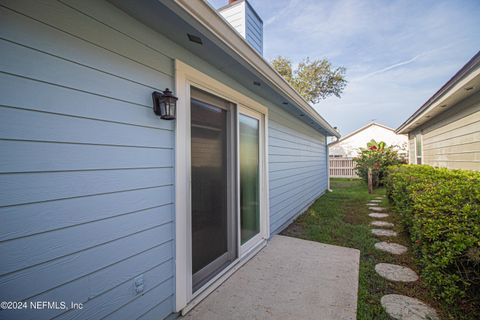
<point>207,16</point>
<point>467,73</point>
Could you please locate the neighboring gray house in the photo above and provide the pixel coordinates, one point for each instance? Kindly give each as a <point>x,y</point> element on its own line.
<point>445,131</point>
<point>102,203</point>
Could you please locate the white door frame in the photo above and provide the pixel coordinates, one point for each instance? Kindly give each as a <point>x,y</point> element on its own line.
<point>419,135</point>
<point>243,249</point>
<point>185,77</point>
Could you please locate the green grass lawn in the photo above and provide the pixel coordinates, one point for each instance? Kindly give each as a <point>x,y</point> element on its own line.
<point>341,218</point>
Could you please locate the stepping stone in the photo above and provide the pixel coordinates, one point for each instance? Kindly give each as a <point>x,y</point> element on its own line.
<point>395,272</point>
<point>382,224</point>
<point>377,208</point>
<point>390,247</point>
<point>378,215</point>
<point>384,233</point>
<point>406,308</point>
<point>375,201</point>
<point>379,198</point>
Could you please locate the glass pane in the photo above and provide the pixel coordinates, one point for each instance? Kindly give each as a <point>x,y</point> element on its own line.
<point>419,145</point>
<point>249,178</point>
<point>209,183</point>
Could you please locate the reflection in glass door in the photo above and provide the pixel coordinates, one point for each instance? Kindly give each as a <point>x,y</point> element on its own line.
<point>213,223</point>
<point>249,177</point>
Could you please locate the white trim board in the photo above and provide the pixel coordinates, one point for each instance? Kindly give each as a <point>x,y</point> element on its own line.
<point>186,76</point>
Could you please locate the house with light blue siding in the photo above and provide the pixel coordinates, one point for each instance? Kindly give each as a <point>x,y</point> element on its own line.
<point>105,205</point>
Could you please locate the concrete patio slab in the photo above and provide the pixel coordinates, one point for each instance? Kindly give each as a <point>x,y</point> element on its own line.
<point>289,279</point>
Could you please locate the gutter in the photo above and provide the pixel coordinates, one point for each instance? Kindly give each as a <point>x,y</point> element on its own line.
<point>208,17</point>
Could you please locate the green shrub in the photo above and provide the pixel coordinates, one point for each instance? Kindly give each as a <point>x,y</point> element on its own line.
<point>441,210</point>
<point>377,156</point>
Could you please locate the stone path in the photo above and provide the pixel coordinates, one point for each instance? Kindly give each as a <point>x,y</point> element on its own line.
<point>384,233</point>
<point>406,308</point>
<point>397,273</point>
<point>397,306</point>
<point>378,215</point>
<point>382,224</point>
<point>390,247</point>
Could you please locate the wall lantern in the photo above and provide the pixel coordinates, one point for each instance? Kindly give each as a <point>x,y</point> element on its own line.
<point>165,104</point>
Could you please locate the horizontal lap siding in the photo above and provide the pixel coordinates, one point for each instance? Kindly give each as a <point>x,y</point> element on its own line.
<point>87,169</point>
<point>452,140</point>
<point>253,28</point>
<point>297,167</point>
<point>235,15</point>
<point>411,149</point>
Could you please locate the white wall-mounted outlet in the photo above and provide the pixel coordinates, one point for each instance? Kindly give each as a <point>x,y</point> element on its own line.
<point>138,282</point>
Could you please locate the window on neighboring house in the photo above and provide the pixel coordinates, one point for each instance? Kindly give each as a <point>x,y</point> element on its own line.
<point>418,148</point>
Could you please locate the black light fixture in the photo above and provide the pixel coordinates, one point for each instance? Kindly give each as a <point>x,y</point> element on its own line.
<point>165,104</point>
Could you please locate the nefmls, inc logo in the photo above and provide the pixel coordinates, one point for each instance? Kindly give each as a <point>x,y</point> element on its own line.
<point>56,305</point>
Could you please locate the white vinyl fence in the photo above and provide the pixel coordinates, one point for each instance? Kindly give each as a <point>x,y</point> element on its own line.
<point>342,167</point>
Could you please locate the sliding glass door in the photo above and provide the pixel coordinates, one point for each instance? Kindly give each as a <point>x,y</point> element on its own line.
<point>212,196</point>
<point>249,133</point>
<point>225,184</point>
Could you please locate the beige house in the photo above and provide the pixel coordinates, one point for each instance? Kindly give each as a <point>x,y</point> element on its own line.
<point>445,131</point>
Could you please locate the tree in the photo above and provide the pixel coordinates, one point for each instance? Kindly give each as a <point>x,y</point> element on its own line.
<point>313,79</point>
<point>372,162</point>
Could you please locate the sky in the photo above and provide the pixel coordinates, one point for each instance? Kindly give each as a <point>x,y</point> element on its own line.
<point>397,53</point>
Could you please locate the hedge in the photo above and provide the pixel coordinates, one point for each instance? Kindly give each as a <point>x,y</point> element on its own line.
<point>440,209</point>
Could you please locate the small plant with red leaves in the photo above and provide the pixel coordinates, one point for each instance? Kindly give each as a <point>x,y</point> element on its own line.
<point>377,156</point>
